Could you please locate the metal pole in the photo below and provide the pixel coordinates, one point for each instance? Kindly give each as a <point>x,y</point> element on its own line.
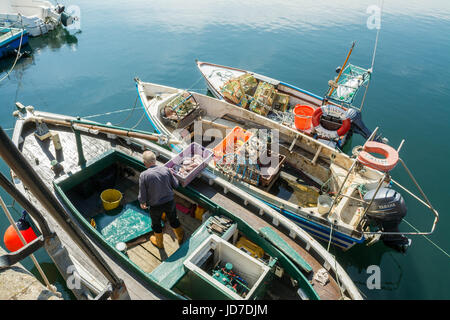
<point>16,161</point>
<point>81,158</point>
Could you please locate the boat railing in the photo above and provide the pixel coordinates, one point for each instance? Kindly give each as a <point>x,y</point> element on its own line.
<point>386,177</point>
<point>9,26</point>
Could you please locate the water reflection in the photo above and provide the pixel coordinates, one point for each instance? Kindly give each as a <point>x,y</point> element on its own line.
<point>53,40</point>
<point>273,15</point>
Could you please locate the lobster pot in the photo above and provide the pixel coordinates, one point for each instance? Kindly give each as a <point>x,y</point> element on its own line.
<point>216,251</point>
<point>181,111</point>
<point>232,90</point>
<point>281,102</point>
<point>248,83</point>
<point>263,99</point>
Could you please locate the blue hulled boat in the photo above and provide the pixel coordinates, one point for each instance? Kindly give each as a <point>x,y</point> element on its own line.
<point>11,39</point>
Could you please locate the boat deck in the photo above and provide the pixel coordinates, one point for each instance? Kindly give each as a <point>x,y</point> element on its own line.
<point>40,153</point>
<point>328,292</point>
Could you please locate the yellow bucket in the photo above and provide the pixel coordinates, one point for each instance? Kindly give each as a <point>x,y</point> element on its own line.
<point>111,198</point>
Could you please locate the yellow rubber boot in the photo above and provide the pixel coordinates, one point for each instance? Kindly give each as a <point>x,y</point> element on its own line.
<point>179,233</point>
<point>157,240</point>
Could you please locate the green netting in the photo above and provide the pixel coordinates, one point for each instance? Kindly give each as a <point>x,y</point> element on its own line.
<point>352,78</point>
<point>124,224</point>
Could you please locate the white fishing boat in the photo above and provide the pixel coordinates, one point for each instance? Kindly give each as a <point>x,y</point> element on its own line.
<point>77,159</point>
<point>36,16</point>
<point>338,198</point>
<point>330,119</point>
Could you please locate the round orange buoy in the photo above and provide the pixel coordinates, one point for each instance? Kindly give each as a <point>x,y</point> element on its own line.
<point>385,165</point>
<point>11,238</point>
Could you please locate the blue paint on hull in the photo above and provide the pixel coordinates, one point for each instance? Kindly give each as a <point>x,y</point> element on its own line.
<point>8,46</point>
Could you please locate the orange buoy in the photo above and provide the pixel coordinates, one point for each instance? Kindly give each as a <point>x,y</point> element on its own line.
<point>11,238</point>
<point>385,165</point>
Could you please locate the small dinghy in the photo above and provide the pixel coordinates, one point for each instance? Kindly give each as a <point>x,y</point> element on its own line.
<point>331,120</point>
<point>227,252</point>
<point>37,16</point>
<point>12,40</point>
<point>338,198</point>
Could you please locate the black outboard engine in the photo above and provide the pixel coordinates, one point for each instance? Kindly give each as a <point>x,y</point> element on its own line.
<point>59,8</point>
<point>358,125</point>
<point>387,211</point>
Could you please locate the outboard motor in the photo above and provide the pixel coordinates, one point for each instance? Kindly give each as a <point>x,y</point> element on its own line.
<point>359,127</point>
<point>66,19</point>
<point>59,8</point>
<point>387,211</point>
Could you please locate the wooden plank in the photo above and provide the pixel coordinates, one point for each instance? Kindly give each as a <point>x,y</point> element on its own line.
<point>143,258</point>
<point>277,241</point>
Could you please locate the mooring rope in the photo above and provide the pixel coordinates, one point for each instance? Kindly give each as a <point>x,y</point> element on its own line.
<point>431,241</point>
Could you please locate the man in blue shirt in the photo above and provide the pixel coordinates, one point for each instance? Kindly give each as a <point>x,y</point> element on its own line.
<point>156,193</point>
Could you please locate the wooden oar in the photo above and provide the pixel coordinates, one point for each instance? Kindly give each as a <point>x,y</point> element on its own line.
<point>109,130</point>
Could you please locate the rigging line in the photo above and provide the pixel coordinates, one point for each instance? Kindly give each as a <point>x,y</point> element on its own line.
<point>107,113</point>
<point>18,52</point>
<point>431,241</point>
<point>376,39</point>
<point>140,120</point>
<point>192,85</point>
<point>129,115</point>
<point>373,56</point>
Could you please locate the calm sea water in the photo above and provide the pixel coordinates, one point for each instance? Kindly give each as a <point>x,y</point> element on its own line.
<point>300,42</point>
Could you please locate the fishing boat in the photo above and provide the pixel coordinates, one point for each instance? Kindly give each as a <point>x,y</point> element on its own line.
<point>228,252</point>
<point>341,199</point>
<point>38,17</point>
<point>11,40</point>
<point>331,120</point>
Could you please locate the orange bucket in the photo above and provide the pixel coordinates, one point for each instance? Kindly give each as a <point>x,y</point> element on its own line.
<point>303,116</point>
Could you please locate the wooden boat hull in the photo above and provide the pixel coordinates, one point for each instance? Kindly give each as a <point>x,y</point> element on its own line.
<point>300,96</point>
<point>314,248</point>
<point>341,235</point>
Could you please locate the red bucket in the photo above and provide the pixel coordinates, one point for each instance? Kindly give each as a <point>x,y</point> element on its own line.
<point>303,116</point>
